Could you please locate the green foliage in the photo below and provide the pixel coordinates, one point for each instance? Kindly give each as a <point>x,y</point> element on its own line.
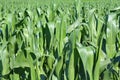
<point>75,41</point>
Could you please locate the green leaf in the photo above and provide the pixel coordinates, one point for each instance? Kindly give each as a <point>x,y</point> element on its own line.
<point>5,62</point>
<point>20,60</point>
<point>59,67</point>
<point>73,26</point>
<point>87,57</point>
<point>71,67</point>
<point>111,34</point>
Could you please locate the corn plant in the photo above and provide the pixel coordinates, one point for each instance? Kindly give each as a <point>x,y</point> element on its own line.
<point>57,41</point>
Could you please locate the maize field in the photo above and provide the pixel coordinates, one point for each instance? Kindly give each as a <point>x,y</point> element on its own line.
<point>72,40</point>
